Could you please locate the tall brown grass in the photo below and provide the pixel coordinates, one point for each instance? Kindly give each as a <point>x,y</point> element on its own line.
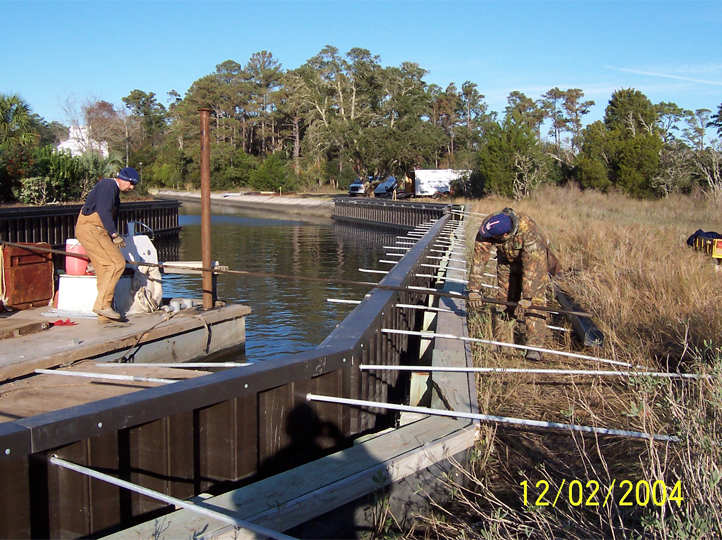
<point>627,262</point>
<point>658,304</point>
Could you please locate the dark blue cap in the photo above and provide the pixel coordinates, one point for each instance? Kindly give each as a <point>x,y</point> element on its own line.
<point>129,174</point>
<point>495,225</point>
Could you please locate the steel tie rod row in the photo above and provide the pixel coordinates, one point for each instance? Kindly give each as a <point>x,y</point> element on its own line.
<point>221,514</point>
<point>491,418</point>
<point>510,345</point>
<point>443,310</point>
<point>306,278</point>
<point>457,369</point>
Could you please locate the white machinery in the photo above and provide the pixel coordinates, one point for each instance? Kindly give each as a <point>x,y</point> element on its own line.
<point>430,181</point>
<point>141,293</point>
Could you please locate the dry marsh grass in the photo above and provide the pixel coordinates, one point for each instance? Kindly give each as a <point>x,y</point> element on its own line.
<point>658,304</point>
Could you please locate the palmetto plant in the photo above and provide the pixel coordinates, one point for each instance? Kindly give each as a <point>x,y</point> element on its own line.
<point>16,120</point>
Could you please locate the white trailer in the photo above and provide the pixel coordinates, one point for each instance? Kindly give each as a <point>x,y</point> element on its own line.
<point>429,181</point>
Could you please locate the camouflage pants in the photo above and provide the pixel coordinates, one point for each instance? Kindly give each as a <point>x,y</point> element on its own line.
<point>511,280</point>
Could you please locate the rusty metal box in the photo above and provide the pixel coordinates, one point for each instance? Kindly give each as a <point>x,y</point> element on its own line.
<point>27,277</point>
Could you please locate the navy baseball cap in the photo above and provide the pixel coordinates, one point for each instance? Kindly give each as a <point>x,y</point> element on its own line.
<point>129,174</point>
<point>495,225</point>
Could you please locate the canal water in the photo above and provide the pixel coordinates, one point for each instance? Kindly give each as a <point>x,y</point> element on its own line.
<point>288,316</point>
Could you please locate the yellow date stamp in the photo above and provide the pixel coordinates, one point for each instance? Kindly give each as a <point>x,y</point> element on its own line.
<point>592,493</point>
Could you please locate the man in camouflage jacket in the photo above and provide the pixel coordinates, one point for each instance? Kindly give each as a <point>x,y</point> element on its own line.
<point>522,258</point>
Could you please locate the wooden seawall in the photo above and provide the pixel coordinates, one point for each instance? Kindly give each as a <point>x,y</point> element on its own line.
<point>249,436</point>
<point>385,212</point>
<point>53,224</point>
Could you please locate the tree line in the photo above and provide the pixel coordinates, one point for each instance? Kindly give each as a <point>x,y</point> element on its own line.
<point>339,116</point>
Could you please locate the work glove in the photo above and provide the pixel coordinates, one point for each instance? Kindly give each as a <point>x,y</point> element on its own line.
<point>118,241</point>
<point>474,302</point>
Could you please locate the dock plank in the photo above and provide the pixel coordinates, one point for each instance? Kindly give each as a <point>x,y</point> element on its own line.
<point>61,345</point>
<point>44,393</point>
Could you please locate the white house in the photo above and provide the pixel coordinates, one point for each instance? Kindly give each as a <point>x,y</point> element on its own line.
<point>79,142</point>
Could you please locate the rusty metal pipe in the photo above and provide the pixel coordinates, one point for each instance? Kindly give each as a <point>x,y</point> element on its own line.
<point>208,300</point>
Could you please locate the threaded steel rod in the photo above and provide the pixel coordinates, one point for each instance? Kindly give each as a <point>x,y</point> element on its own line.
<point>197,508</point>
<point>490,418</point>
<point>511,345</point>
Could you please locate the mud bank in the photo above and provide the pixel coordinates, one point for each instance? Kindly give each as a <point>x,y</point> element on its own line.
<point>308,205</point>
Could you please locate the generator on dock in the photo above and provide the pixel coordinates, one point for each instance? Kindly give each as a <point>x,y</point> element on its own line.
<point>138,291</point>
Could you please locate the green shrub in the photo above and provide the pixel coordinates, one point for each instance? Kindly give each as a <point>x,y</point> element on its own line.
<point>272,175</point>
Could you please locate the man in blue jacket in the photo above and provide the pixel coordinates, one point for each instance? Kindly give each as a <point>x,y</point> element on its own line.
<point>97,232</point>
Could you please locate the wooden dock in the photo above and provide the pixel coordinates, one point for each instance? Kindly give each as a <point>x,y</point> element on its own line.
<point>45,393</point>
<point>246,436</point>
<point>188,335</point>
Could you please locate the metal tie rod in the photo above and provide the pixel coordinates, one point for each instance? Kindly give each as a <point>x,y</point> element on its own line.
<point>341,301</point>
<point>468,213</point>
<point>455,369</point>
<point>221,514</point>
<point>447,251</point>
<point>444,310</point>
<point>511,345</point>
<point>370,271</point>
<point>440,267</point>
<point>108,376</point>
<point>436,291</point>
<point>176,364</point>
<point>490,418</point>
<point>427,308</point>
<point>447,258</point>
<point>452,280</point>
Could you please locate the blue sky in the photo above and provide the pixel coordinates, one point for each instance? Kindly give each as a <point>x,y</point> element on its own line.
<point>671,51</point>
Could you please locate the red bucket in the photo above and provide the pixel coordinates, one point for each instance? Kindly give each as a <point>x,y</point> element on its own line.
<point>73,265</point>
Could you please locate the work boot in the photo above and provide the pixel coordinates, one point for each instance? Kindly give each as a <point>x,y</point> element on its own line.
<point>533,356</point>
<point>108,313</point>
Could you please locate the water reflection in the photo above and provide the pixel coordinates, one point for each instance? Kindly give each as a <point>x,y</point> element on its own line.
<point>288,316</point>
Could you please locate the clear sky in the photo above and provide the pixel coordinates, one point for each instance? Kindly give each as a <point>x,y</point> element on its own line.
<point>671,51</point>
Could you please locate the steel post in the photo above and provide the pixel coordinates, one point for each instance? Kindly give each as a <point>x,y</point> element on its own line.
<point>208,300</point>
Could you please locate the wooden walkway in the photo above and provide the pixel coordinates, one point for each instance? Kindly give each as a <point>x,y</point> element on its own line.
<point>249,429</point>
<point>145,336</point>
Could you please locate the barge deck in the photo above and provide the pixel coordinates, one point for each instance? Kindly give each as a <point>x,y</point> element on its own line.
<point>187,335</point>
